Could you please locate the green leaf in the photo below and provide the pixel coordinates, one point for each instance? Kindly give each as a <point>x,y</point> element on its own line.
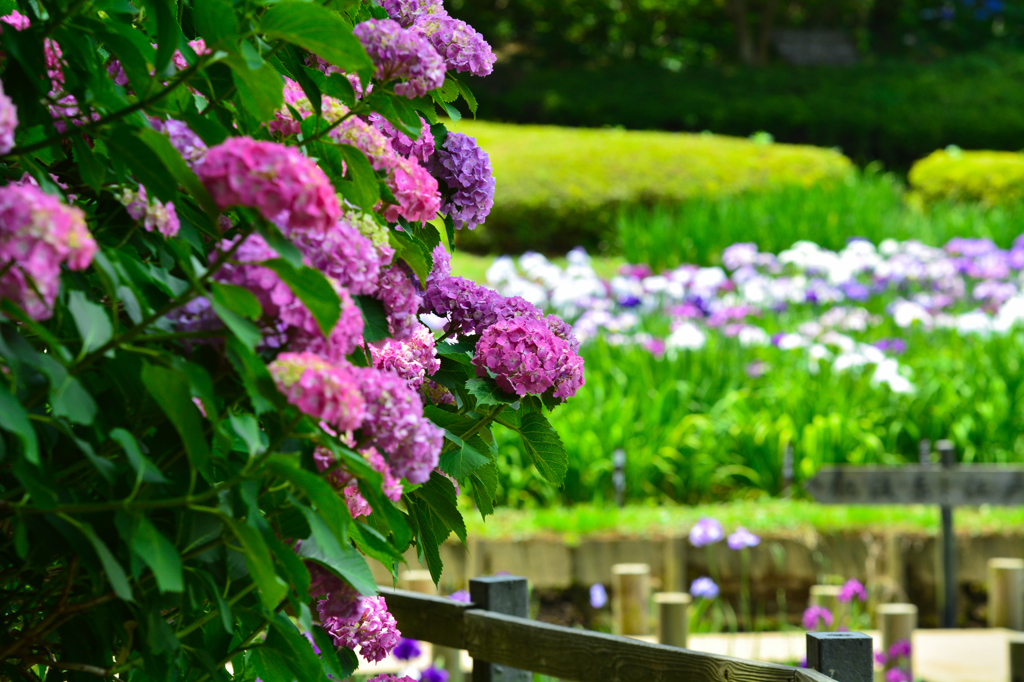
<point>68,398</point>
<point>115,574</point>
<point>145,469</point>
<point>14,418</point>
<point>318,30</point>
<point>544,447</point>
<point>272,589</point>
<point>248,429</point>
<point>291,61</point>
<point>313,289</point>
<point>334,85</point>
<point>397,111</point>
<point>206,127</point>
<point>426,542</point>
<point>338,663</point>
<point>468,96</point>
<point>237,299</point>
<point>439,495</point>
<point>278,242</point>
<point>487,392</point>
<point>317,489</point>
<point>485,485</point>
<point>147,167</point>
<point>375,318</point>
<point>91,320</point>
<point>215,22</point>
<point>171,392</point>
<point>161,146</point>
<point>261,92</point>
<point>414,252</point>
<point>363,192</point>
<point>270,666</point>
<point>233,307</point>
<point>92,170</point>
<point>259,385</point>
<point>222,606</point>
<point>165,13</point>
<point>344,560</point>
<point>158,553</point>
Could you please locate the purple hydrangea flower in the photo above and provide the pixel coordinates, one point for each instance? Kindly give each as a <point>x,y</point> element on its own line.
<point>704,588</point>
<point>465,168</point>
<point>743,538</point>
<point>462,47</point>
<point>460,596</point>
<point>406,649</point>
<point>433,674</point>
<point>525,356</point>
<point>470,307</point>
<point>852,588</point>
<point>401,53</point>
<point>401,302</point>
<point>421,149</point>
<point>8,121</point>
<point>154,214</point>
<point>598,596</point>
<point>814,614</point>
<point>189,145</point>
<point>405,12</point>
<point>705,532</point>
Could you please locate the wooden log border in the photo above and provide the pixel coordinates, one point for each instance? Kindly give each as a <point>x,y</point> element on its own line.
<point>568,653</point>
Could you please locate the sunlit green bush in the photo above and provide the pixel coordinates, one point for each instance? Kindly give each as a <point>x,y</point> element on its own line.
<point>991,177</point>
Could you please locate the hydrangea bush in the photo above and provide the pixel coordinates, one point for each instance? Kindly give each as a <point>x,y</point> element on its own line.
<point>224,228</point>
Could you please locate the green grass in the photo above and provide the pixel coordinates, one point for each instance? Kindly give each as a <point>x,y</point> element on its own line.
<point>775,516</point>
<point>560,187</point>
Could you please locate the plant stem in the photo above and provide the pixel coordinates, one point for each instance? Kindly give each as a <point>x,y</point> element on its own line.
<point>475,429</point>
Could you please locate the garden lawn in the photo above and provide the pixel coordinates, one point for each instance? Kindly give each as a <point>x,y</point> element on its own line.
<point>763,516</point>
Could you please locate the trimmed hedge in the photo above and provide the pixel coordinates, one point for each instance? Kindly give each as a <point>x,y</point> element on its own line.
<point>560,187</point>
<point>992,178</point>
<point>890,112</point>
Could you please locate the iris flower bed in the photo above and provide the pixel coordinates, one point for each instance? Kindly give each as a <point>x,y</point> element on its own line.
<point>705,375</point>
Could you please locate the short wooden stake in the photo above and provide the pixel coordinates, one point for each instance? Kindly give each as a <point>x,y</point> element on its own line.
<point>897,622</point>
<point>843,656</point>
<point>417,581</point>
<point>1017,659</point>
<point>673,576</point>
<point>631,598</point>
<point>895,566</point>
<point>1006,593</point>
<point>673,617</point>
<point>502,594</point>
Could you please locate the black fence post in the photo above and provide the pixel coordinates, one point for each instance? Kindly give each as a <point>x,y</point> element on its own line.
<point>501,594</point>
<point>843,656</point>
<point>948,594</point>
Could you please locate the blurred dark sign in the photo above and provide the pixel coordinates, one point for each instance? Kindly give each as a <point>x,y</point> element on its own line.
<point>811,47</point>
<point>955,486</point>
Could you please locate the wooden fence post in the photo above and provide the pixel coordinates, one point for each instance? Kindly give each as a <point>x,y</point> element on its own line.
<point>1006,593</point>
<point>502,594</point>
<point>896,622</point>
<point>420,581</point>
<point>947,548</point>
<point>843,656</point>
<point>672,617</point>
<point>631,598</point>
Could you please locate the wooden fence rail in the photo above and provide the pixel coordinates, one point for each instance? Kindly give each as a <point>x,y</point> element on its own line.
<point>571,654</point>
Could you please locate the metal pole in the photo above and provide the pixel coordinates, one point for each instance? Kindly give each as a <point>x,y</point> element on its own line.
<point>948,595</point>
<point>924,452</point>
<point>787,469</point>
<point>619,477</point>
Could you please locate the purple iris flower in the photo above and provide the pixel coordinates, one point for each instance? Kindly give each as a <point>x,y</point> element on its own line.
<point>460,595</point>
<point>743,538</point>
<point>855,291</point>
<point>433,674</point>
<point>852,588</point>
<point>598,596</point>
<point>705,532</point>
<point>629,301</point>
<point>895,346</point>
<point>704,588</point>
<point>817,613</point>
<point>900,649</point>
<point>755,370</point>
<point>407,649</point>
<point>897,675</point>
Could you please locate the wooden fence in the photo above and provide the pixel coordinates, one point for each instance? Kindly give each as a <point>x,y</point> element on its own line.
<point>507,646</point>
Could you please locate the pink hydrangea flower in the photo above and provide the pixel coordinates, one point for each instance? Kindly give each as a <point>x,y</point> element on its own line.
<point>416,190</point>
<point>38,234</point>
<point>16,20</point>
<point>198,46</point>
<point>343,254</point>
<point>286,187</point>
<point>155,215</point>
<point>413,359</point>
<point>421,149</point>
<point>329,392</point>
<point>8,122</point>
<point>405,12</point>
<point>401,54</point>
<point>522,354</point>
<point>374,631</point>
<point>343,339</point>
<point>395,424</point>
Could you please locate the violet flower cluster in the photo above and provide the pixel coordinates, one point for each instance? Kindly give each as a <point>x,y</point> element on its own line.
<point>524,356</point>
<point>39,234</point>
<point>154,214</point>
<point>466,169</point>
<point>8,121</point>
<point>400,53</point>
<point>462,47</point>
<point>353,620</point>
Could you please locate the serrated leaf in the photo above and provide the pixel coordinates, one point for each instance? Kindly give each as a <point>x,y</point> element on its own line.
<point>487,392</point>
<point>147,167</point>
<point>313,289</point>
<point>438,494</point>
<point>92,170</point>
<point>363,192</point>
<point>544,447</point>
<point>115,573</point>
<point>485,485</point>
<point>14,419</point>
<point>215,22</point>
<point>278,242</point>
<point>91,319</point>
<point>468,96</point>
<point>318,30</point>
<point>260,91</point>
<point>161,146</point>
<point>413,251</point>
<point>144,468</point>
<point>272,589</point>
<point>344,560</point>
<point>158,553</point>
<point>171,392</point>
<point>375,318</point>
